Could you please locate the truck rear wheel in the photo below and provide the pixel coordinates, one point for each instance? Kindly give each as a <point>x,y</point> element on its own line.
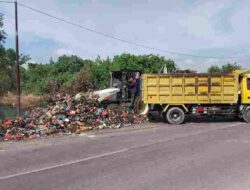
<point>246,115</point>
<point>175,116</point>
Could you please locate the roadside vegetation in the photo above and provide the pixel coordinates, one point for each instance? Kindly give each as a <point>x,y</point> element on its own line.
<point>224,68</point>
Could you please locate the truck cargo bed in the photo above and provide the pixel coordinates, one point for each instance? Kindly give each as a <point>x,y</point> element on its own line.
<point>190,88</point>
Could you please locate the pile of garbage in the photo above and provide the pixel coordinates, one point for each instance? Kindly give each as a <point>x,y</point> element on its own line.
<point>67,115</point>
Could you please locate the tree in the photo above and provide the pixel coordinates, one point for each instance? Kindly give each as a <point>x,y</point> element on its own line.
<point>214,69</point>
<point>230,67</point>
<point>145,63</point>
<point>7,64</point>
<point>52,87</point>
<point>35,78</point>
<point>2,36</point>
<point>4,71</point>
<point>227,68</point>
<point>73,74</point>
<point>83,81</point>
<point>51,77</point>
<point>10,55</point>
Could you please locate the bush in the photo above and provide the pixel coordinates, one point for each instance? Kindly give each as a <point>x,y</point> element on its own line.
<point>84,81</point>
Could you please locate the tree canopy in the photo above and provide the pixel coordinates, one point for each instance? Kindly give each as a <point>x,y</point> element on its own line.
<point>2,33</point>
<point>73,74</point>
<point>227,68</point>
<point>2,37</point>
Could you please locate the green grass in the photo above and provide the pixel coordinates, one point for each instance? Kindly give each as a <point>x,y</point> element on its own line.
<point>8,112</point>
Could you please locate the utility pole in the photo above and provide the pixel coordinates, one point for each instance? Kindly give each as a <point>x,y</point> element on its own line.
<point>17,64</point>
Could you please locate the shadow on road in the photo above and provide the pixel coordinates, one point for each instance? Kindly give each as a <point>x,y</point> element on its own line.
<point>210,119</point>
<point>199,119</point>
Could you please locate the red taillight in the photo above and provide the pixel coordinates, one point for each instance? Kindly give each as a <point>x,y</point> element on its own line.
<point>200,109</point>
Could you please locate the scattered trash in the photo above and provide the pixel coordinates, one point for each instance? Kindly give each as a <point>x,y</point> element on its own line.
<point>67,115</point>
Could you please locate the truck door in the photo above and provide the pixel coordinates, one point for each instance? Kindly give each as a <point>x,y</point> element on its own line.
<point>246,90</point>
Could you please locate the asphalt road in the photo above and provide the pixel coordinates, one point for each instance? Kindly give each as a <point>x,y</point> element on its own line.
<point>196,155</point>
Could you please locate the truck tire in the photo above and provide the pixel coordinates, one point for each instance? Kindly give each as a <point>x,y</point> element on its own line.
<point>175,116</point>
<point>246,115</point>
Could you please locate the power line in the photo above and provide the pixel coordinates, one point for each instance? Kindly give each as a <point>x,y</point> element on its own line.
<point>120,39</point>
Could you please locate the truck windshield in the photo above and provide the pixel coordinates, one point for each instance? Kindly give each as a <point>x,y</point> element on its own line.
<point>248,84</point>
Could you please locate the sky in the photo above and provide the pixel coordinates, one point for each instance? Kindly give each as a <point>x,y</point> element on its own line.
<point>214,28</point>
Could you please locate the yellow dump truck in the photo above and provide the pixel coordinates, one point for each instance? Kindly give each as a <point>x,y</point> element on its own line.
<point>178,95</point>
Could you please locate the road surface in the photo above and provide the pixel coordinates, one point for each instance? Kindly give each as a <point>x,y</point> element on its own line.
<point>196,155</point>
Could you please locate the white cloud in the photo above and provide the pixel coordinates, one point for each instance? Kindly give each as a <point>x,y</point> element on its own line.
<point>201,23</point>
<point>60,52</point>
<point>189,61</point>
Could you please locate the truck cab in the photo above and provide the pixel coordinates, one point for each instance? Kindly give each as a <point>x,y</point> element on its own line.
<point>244,109</point>
<point>245,89</point>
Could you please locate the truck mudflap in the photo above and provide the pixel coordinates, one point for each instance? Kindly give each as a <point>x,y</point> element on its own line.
<point>140,107</point>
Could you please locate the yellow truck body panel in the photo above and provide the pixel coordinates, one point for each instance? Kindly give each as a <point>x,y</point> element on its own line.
<point>245,88</point>
<point>179,89</point>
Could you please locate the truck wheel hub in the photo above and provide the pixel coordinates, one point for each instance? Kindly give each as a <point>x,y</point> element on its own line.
<point>175,116</point>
